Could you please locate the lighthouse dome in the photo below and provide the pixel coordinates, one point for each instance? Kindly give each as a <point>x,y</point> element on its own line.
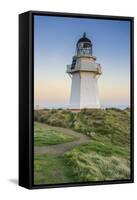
<point>84,39</point>
<point>84,46</point>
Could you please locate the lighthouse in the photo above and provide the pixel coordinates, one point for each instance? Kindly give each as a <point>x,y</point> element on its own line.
<point>84,73</point>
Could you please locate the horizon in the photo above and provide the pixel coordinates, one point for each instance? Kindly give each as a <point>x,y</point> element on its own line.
<point>122,107</point>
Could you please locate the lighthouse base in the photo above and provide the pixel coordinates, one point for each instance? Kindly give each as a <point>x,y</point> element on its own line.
<point>74,110</point>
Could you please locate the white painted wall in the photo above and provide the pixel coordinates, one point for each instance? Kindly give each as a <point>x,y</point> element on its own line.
<point>84,91</point>
<point>84,88</point>
<point>89,97</point>
<point>75,91</point>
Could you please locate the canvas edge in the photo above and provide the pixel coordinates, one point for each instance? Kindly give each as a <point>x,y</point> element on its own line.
<point>29,134</point>
<point>25,87</point>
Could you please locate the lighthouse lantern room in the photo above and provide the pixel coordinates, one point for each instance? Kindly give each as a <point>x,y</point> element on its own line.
<point>84,72</point>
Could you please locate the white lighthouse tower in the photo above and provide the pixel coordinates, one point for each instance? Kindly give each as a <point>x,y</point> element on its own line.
<point>84,72</point>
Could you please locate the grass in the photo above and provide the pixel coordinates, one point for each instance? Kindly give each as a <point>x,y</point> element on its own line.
<point>98,162</point>
<point>105,157</point>
<point>103,149</point>
<point>52,169</point>
<point>44,136</point>
<point>110,124</point>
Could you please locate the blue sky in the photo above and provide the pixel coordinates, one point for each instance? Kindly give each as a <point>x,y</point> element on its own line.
<point>55,40</point>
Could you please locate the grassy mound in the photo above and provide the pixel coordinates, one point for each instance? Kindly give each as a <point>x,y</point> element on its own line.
<point>110,125</point>
<point>99,161</point>
<point>44,136</point>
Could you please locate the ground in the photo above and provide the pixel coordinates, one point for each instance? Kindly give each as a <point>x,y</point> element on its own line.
<point>93,145</point>
<point>50,165</point>
<point>59,149</point>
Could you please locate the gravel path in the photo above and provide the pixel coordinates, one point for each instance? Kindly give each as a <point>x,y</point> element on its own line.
<point>60,149</point>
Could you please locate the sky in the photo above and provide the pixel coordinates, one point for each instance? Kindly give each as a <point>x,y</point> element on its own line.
<point>55,41</point>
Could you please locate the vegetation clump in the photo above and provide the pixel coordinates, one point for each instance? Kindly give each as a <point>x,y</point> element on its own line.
<point>45,136</point>
<point>97,167</point>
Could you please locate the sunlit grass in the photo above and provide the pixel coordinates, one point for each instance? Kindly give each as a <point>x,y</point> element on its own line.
<point>105,157</point>
<point>44,136</point>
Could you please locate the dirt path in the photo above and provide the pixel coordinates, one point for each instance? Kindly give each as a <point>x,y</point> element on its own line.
<point>60,149</point>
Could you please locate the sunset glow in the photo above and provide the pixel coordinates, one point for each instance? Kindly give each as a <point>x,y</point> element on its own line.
<point>54,45</point>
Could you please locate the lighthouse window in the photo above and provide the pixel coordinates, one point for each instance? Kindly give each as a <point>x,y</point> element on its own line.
<point>86,45</point>
<point>73,63</point>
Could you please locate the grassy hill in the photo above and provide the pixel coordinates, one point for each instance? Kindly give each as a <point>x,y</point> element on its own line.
<point>107,154</point>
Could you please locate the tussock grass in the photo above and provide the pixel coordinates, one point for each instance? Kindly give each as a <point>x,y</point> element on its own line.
<point>94,167</point>
<point>107,155</point>
<point>52,169</point>
<point>44,136</point>
<point>113,125</point>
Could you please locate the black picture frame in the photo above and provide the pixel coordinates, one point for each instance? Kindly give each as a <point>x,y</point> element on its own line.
<point>26,100</point>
